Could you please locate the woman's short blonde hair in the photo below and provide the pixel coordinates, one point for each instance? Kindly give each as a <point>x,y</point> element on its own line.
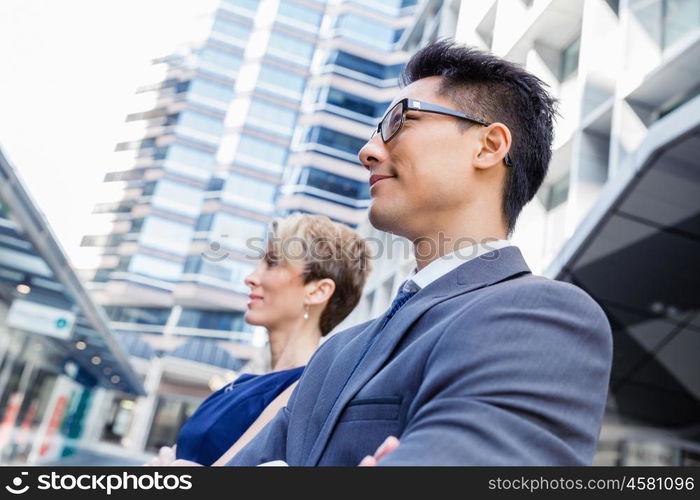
<point>324,249</point>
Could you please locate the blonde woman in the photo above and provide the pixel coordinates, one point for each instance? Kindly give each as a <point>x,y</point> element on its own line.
<point>309,279</point>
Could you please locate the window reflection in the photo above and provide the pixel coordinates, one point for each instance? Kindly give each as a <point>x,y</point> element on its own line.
<point>281,79</point>
<point>260,154</point>
<point>271,117</point>
<point>299,13</point>
<point>177,197</point>
<point>153,267</point>
<point>166,235</point>
<point>291,47</point>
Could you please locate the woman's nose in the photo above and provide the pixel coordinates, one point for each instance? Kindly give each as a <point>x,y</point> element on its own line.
<point>252,279</point>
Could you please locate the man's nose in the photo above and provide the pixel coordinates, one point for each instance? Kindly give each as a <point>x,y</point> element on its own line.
<point>373,152</point>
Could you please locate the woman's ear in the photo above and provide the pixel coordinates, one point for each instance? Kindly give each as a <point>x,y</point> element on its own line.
<point>494,145</point>
<point>319,291</point>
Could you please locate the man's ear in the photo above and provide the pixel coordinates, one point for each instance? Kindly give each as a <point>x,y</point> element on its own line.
<point>495,142</point>
<point>319,291</point>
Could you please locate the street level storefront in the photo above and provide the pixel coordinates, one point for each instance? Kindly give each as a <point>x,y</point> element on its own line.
<point>57,353</point>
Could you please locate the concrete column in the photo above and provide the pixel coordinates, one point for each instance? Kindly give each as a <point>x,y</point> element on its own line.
<point>145,407</point>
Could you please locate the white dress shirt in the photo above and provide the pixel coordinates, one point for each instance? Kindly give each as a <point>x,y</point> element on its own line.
<point>417,280</point>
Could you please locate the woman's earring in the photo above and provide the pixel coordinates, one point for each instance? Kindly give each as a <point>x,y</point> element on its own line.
<point>306,311</point>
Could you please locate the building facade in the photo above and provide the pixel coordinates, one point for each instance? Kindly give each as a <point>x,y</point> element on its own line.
<point>353,78</point>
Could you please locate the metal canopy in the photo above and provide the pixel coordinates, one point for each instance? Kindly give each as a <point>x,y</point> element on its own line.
<point>30,254</point>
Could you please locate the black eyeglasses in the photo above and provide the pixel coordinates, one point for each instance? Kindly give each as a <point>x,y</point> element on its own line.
<point>394,119</point>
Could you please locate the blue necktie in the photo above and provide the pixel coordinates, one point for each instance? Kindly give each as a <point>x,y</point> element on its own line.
<point>407,290</point>
<point>401,298</point>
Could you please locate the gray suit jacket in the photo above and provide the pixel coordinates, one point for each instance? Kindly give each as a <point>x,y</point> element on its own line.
<point>487,365</point>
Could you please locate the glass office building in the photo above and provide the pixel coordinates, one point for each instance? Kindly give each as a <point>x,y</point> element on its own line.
<point>353,78</point>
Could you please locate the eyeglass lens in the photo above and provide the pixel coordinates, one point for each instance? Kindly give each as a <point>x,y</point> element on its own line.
<point>392,122</point>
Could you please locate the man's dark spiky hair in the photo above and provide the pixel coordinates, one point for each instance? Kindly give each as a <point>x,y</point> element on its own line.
<point>484,85</point>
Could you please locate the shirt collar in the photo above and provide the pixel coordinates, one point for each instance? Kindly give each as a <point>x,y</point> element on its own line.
<point>450,261</point>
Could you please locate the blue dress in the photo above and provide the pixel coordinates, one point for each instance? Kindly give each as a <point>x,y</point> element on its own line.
<point>226,414</point>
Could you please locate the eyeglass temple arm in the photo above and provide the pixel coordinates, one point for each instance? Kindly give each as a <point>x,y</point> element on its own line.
<point>434,108</point>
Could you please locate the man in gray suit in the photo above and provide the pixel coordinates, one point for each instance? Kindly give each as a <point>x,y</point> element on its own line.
<point>477,361</point>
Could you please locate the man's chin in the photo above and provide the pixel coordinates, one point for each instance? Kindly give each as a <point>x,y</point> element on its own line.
<point>384,220</point>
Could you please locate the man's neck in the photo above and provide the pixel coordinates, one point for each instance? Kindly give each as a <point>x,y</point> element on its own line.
<point>431,247</point>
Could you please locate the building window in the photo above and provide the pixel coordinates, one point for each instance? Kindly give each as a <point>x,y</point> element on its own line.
<point>206,92</point>
<point>4,210</point>
<point>204,222</point>
<point>166,235</point>
<point>679,18</point>
<point>334,139</point>
<point>102,275</point>
<point>229,270</point>
<point>365,30</point>
<point>248,5</point>
<point>260,154</point>
<point>302,211</point>
<point>148,188</point>
<point>136,225</point>
<point>335,184</point>
<point>213,320</point>
<point>216,184</point>
<point>364,66</point>
<point>271,117</point>
<point>168,418</point>
<point>219,61</point>
<point>298,13</point>
<point>236,232</point>
<point>178,198</point>
<point>139,315</point>
<point>569,62</point>
<point>250,192</point>
<point>232,29</point>
<point>191,121</point>
<point>278,78</point>
<point>291,47</point>
<point>192,264</point>
<point>355,103</point>
<point>218,270</point>
<point>154,267</point>
<point>183,155</point>
<point>558,193</point>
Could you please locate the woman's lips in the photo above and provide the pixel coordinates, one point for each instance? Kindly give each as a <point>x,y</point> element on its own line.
<point>254,299</point>
<point>376,178</point>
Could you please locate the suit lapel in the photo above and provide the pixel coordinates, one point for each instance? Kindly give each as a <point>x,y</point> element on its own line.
<point>337,372</point>
<point>477,273</point>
